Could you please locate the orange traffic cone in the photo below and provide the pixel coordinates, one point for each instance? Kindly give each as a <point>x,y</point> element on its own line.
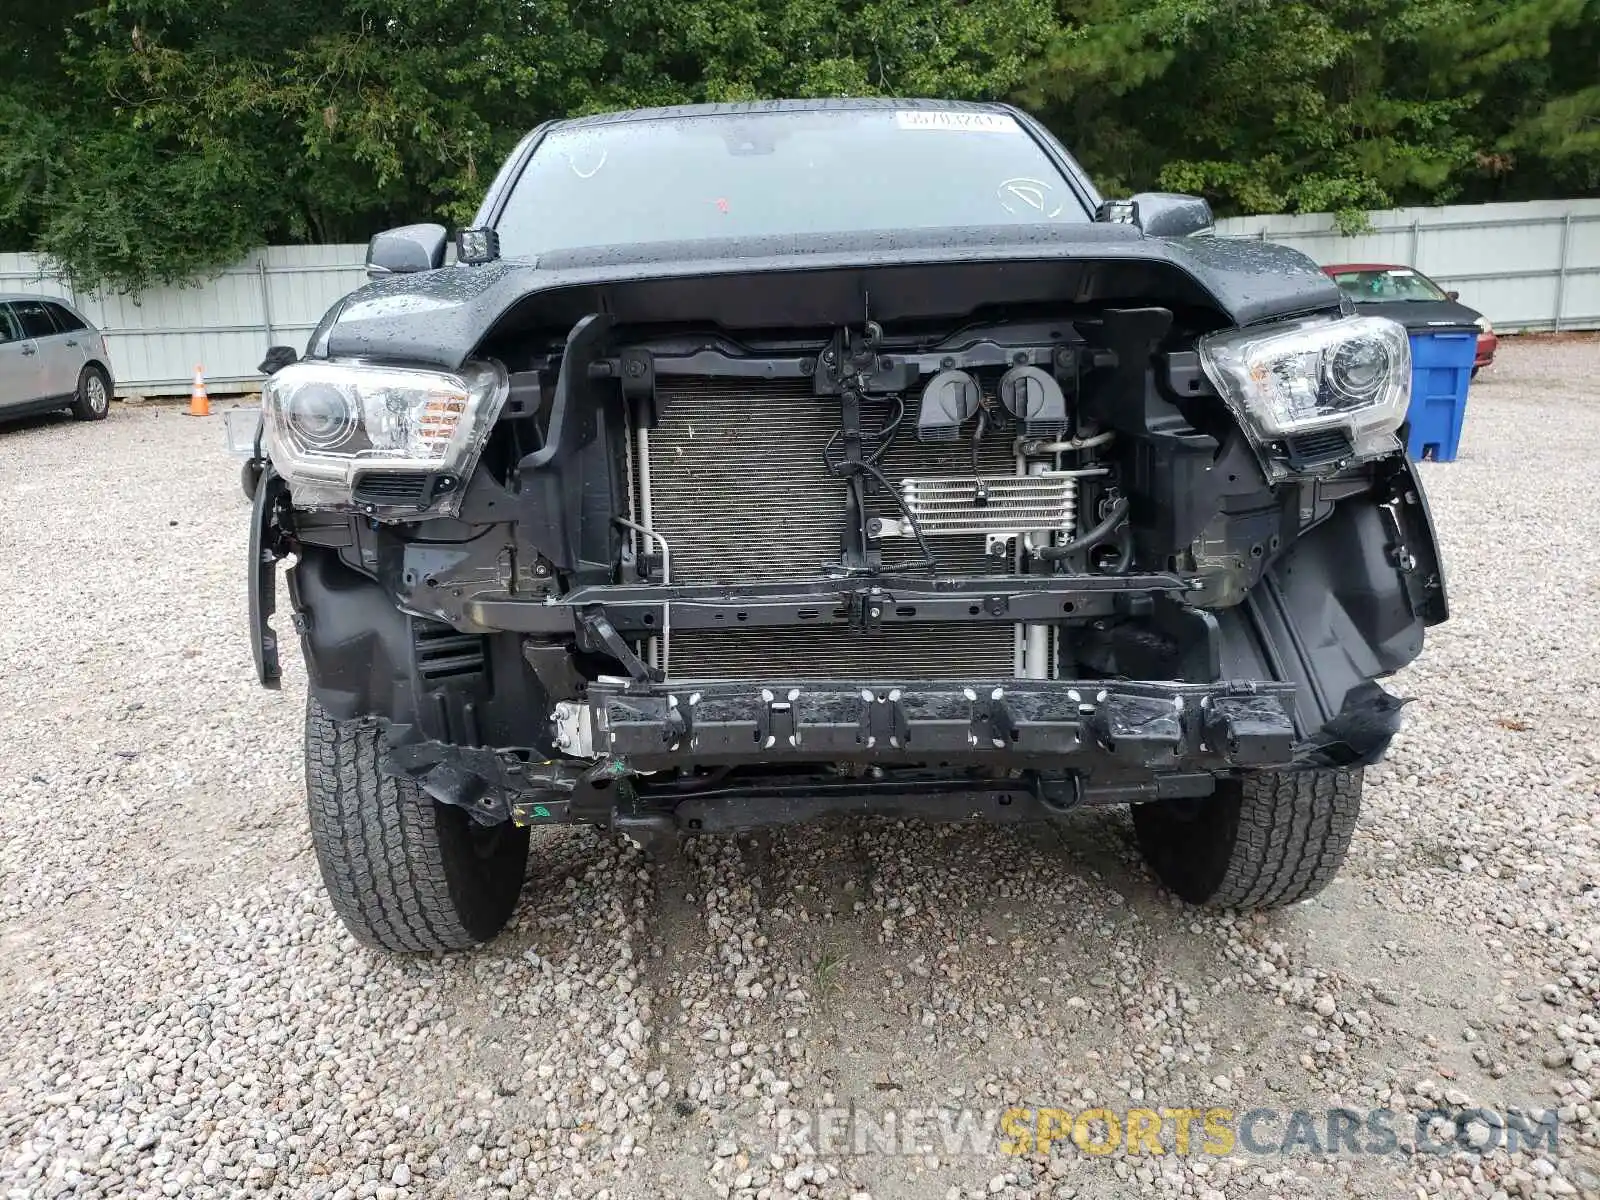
<point>199,402</point>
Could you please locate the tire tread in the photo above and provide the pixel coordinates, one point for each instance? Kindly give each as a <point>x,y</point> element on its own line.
<point>395,874</point>
<point>1265,840</point>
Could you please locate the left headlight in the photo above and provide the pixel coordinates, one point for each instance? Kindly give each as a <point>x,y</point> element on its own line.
<point>328,425</point>
<point>1349,375</point>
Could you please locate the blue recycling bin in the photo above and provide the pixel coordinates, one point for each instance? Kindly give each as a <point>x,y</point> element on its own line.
<point>1441,370</point>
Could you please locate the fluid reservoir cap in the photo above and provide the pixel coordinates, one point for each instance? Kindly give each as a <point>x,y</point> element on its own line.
<point>950,398</point>
<point>1035,399</point>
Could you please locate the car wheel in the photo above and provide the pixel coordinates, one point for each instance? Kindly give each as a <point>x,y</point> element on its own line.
<point>1261,840</point>
<point>93,399</point>
<point>405,872</point>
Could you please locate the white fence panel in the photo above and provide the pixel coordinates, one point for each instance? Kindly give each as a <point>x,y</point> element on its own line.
<point>223,323</point>
<point>1528,266</point>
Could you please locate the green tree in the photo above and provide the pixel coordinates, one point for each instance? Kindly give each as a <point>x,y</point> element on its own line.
<point>146,141</point>
<point>1537,66</point>
<point>1262,105</point>
<point>165,138</point>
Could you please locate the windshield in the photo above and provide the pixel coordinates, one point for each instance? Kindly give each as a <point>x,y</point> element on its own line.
<point>1384,284</point>
<point>789,172</point>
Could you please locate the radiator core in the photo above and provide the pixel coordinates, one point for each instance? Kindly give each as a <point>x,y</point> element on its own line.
<point>739,491</point>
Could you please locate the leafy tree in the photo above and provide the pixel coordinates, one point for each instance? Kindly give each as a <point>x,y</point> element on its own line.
<point>165,138</point>
<point>149,141</point>
<point>1537,63</point>
<point>1263,105</point>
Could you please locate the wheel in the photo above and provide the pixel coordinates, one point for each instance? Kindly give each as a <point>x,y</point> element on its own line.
<point>93,398</point>
<point>1261,840</point>
<point>405,872</point>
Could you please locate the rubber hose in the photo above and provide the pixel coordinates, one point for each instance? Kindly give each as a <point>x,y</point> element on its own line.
<point>1118,512</point>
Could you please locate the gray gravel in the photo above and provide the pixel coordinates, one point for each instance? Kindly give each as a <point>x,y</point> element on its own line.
<point>183,1016</point>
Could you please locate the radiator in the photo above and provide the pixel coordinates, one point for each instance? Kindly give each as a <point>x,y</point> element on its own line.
<point>739,491</point>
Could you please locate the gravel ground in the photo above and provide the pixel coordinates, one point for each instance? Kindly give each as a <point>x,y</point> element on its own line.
<point>183,1016</point>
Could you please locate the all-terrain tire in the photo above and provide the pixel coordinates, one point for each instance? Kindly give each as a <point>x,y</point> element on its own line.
<point>92,400</point>
<point>1262,840</point>
<point>405,872</point>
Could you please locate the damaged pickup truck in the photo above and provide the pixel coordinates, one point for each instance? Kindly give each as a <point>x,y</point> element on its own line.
<point>751,464</point>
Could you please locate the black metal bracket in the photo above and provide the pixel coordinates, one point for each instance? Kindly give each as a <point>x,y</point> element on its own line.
<point>636,609</point>
<point>1248,730</point>
<point>555,670</point>
<point>491,785</point>
<point>1138,729</point>
<point>679,725</point>
<point>593,622</point>
<point>268,545</point>
<point>776,721</point>
<point>992,721</point>
<point>867,607</point>
<point>552,475</point>
<point>883,720</point>
<point>1196,633</point>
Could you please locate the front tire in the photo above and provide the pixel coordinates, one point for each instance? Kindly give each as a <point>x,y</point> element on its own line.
<point>1261,840</point>
<point>92,401</point>
<point>404,872</point>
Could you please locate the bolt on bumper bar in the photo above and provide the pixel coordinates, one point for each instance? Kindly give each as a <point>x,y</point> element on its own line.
<point>1073,725</point>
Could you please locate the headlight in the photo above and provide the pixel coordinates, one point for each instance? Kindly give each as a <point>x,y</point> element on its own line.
<point>328,425</point>
<point>1483,324</point>
<point>1349,375</point>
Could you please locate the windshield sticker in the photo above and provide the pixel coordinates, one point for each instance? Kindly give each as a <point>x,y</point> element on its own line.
<point>1402,273</point>
<point>586,169</point>
<point>1029,197</point>
<point>953,119</point>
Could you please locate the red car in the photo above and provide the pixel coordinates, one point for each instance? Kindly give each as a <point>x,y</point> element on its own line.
<point>1406,295</point>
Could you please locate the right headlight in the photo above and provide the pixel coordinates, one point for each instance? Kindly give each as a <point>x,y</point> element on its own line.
<point>1346,374</point>
<point>329,425</point>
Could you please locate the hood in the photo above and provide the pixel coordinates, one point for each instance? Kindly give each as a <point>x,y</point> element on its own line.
<point>439,317</point>
<point>1419,316</point>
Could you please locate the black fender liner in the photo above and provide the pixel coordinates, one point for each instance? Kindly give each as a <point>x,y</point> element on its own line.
<point>357,644</point>
<point>1345,604</point>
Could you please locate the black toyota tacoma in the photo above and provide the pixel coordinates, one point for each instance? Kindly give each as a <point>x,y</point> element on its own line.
<point>750,464</point>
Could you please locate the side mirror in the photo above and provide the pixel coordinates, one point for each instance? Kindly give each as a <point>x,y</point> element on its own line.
<point>406,249</point>
<point>1172,214</point>
<point>1161,214</point>
<point>278,357</point>
<point>1452,295</point>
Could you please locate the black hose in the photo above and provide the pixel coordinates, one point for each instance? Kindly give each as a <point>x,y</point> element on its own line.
<point>869,466</point>
<point>1115,517</point>
<point>911,518</point>
<point>885,439</point>
<point>1125,558</point>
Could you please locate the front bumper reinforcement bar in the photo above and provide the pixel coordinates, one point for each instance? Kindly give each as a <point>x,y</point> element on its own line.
<point>1078,725</point>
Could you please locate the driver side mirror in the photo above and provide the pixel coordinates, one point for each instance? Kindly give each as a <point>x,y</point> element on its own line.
<point>1452,295</point>
<point>406,249</point>
<point>1161,214</point>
